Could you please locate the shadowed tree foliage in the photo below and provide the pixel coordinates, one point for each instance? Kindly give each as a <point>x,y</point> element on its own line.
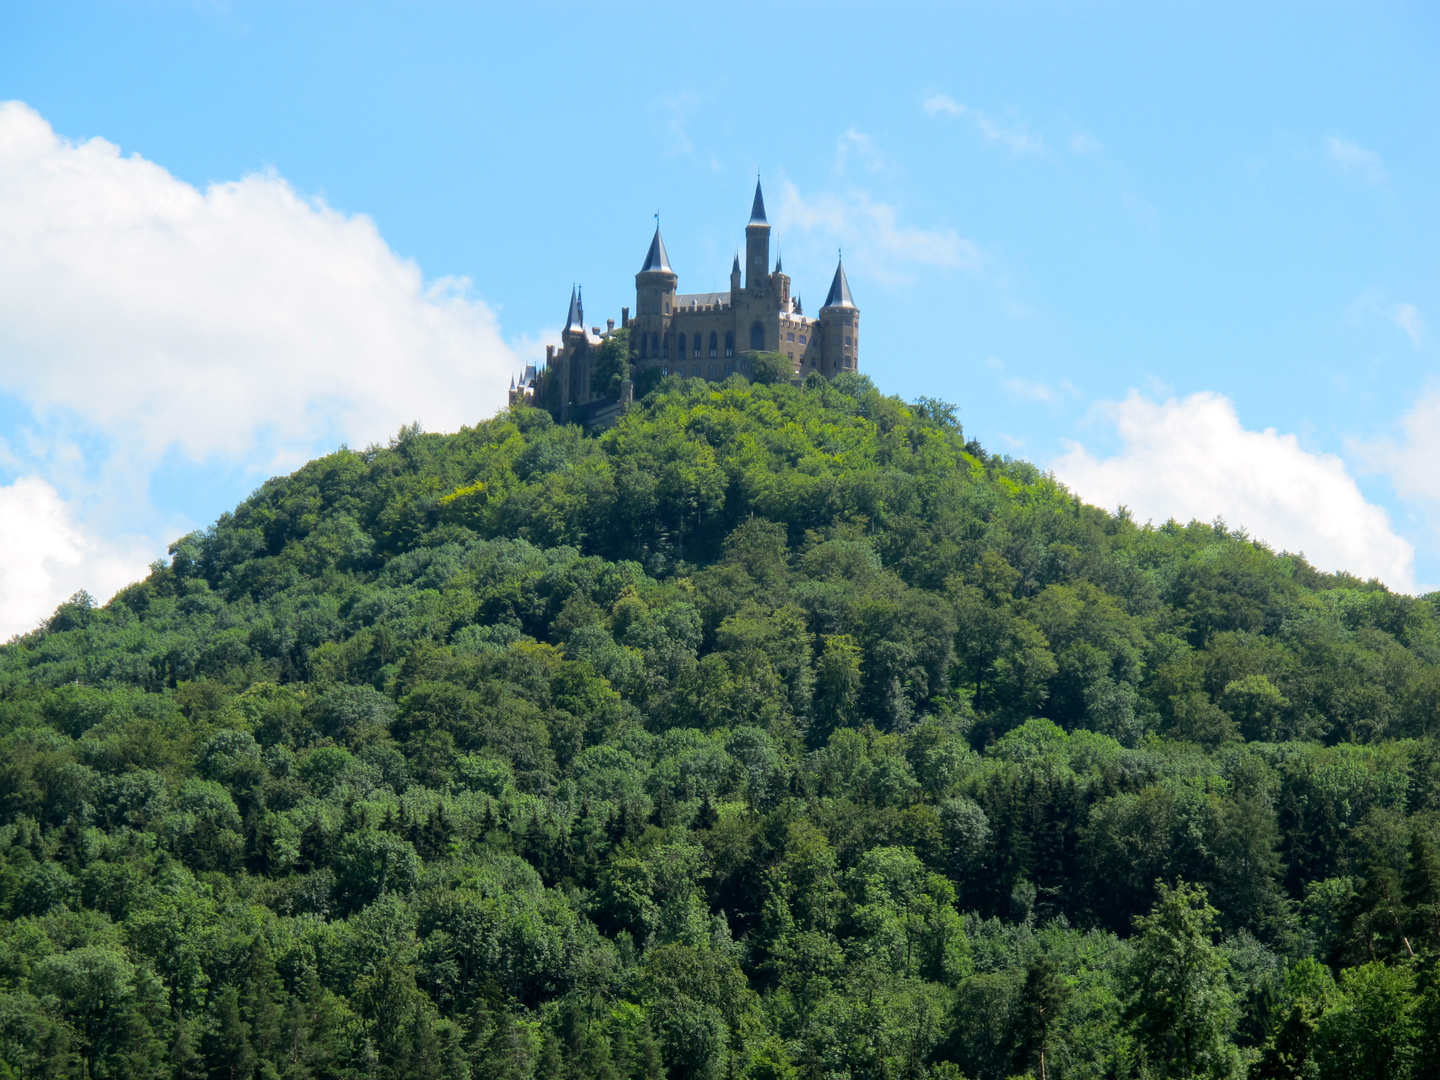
<point>776,732</point>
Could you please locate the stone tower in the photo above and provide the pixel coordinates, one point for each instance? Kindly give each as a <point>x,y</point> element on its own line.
<point>839,327</point>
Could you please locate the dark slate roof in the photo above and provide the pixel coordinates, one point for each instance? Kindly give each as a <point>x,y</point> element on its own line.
<point>685,301</point>
<point>576,319</point>
<point>735,269</point>
<point>656,258</point>
<point>839,295</point>
<point>757,209</point>
<point>779,268</point>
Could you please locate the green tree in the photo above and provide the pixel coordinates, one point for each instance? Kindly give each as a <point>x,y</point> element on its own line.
<point>1179,1000</point>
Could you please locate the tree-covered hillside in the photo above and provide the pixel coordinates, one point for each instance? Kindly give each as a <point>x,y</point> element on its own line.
<point>777,732</point>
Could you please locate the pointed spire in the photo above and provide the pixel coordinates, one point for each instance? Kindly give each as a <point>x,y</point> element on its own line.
<point>839,295</point>
<point>779,268</point>
<point>575,321</point>
<point>757,209</point>
<point>735,268</point>
<point>656,258</point>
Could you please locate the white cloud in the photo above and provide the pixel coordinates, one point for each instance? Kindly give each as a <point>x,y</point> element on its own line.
<point>1413,464</point>
<point>243,322</point>
<point>1030,390</point>
<point>862,146</point>
<point>1407,318</point>
<point>1015,140</point>
<point>1356,159</point>
<point>872,234</point>
<point>1191,459</point>
<point>1082,143</point>
<point>45,556</point>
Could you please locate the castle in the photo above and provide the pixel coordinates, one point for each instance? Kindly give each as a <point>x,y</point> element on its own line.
<point>697,335</point>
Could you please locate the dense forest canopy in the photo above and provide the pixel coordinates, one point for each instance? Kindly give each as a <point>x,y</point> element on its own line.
<point>776,732</point>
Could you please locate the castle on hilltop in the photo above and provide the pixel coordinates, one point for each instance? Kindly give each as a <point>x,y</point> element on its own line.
<point>697,335</point>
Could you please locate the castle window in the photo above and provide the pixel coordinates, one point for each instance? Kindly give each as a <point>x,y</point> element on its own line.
<point>847,341</point>
<point>681,351</point>
<point>712,342</point>
<point>667,307</point>
<point>790,355</point>
<point>802,339</point>
<point>697,371</point>
<point>712,371</point>
<point>729,343</point>
<point>789,337</point>
<point>697,344</point>
<point>655,344</point>
<point>664,369</point>
<point>729,369</point>
<point>757,336</point>
<point>665,347</point>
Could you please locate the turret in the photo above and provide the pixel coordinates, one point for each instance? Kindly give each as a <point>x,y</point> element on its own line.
<point>654,302</point>
<point>757,243</point>
<point>575,320</point>
<point>780,284</point>
<point>735,276</point>
<point>840,327</point>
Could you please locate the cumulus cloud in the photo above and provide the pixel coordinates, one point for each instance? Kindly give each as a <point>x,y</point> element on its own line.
<point>1413,462</point>
<point>1013,139</point>
<point>242,321</point>
<point>44,552</point>
<point>873,235</point>
<point>1356,159</point>
<point>1191,459</point>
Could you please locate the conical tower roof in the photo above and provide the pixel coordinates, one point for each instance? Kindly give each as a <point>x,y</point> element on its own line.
<point>757,209</point>
<point>575,321</point>
<point>839,294</point>
<point>656,258</point>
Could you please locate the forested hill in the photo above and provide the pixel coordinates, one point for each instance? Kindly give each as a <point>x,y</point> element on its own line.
<point>777,732</point>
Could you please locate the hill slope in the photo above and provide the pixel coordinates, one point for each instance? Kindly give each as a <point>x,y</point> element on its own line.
<point>776,732</point>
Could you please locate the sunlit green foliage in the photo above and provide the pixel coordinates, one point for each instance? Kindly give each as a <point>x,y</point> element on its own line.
<point>776,732</point>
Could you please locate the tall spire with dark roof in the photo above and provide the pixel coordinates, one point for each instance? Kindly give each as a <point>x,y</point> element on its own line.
<point>779,262</point>
<point>757,209</point>
<point>735,269</point>
<point>575,321</point>
<point>656,258</point>
<point>839,295</point>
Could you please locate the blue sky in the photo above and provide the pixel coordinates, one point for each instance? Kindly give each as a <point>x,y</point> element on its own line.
<point>1184,254</point>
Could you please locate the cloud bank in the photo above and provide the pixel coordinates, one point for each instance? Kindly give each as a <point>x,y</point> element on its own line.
<point>142,317</point>
<point>1192,459</point>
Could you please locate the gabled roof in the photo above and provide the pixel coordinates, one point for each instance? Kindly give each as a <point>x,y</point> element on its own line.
<point>839,294</point>
<point>656,258</point>
<point>576,319</point>
<point>757,209</point>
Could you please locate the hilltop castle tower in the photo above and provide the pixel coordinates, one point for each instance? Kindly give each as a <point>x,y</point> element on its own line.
<point>696,335</point>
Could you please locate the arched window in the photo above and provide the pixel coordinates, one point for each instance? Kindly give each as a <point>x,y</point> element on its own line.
<point>712,342</point>
<point>665,347</point>
<point>757,336</point>
<point>697,344</point>
<point>681,353</point>
<point>729,342</point>
<point>655,344</point>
